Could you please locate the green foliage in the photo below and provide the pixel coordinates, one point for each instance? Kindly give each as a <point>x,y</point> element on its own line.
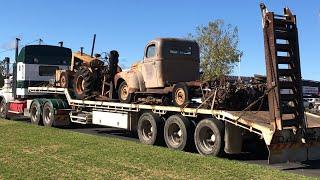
<point>218,48</point>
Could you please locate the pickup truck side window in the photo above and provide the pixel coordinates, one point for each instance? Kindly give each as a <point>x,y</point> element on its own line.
<point>151,51</point>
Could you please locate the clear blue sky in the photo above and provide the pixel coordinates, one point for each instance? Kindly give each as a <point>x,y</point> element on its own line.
<point>127,25</point>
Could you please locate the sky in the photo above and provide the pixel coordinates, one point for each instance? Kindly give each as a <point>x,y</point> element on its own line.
<point>127,26</point>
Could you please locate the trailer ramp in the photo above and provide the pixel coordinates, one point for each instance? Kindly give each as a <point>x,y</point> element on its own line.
<point>292,139</point>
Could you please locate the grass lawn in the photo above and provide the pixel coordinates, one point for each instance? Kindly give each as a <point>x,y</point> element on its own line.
<point>29,152</point>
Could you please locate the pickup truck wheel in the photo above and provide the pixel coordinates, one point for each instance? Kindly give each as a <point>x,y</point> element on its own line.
<point>48,114</point>
<point>83,83</point>
<point>150,129</point>
<point>180,94</point>
<point>123,93</point>
<point>3,109</point>
<point>177,132</point>
<point>36,112</point>
<point>209,137</point>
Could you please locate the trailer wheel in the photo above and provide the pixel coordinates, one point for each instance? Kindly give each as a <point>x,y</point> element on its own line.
<point>3,109</point>
<point>83,83</point>
<point>209,137</point>
<point>36,112</point>
<point>150,129</point>
<point>48,114</point>
<point>180,94</point>
<point>123,93</point>
<point>177,132</point>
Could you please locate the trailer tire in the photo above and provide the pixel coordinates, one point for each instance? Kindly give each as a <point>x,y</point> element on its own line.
<point>48,114</point>
<point>150,129</point>
<point>83,83</point>
<point>180,94</point>
<point>123,93</point>
<point>209,137</point>
<point>3,109</point>
<point>36,112</point>
<point>177,132</point>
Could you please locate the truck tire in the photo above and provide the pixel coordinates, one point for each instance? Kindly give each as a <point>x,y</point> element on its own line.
<point>177,132</point>
<point>209,137</point>
<point>150,129</point>
<point>83,83</point>
<point>48,114</point>
<point>180,95</point>
<point>3,109</point>
<point>36,111</point>
<point>123,93</point>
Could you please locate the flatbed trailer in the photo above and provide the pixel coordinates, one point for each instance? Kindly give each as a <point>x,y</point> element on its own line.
<point>288,132</point>
<point>284,145</point>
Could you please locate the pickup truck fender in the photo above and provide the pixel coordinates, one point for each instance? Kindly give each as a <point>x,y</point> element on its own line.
<point>134,80</point>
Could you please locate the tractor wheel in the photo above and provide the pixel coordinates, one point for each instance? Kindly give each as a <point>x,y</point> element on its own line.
<point>83,83</point>
<point>180,95</point>
<point>150,129</point>
<point>3,109</point>
<point>123,93</point>
<point>209,137</point>
<point>64,83</point>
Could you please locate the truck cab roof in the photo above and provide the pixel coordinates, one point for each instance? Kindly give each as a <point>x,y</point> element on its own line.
<point>45,54</point>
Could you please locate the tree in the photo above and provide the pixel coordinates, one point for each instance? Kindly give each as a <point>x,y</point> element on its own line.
<point>219,51</point>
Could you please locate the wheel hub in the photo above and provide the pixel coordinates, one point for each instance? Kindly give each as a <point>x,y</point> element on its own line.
<point>207,138</point>
<point>147,130</point>
<point>175,134</point>
<point>124,92</point>
<point>180,96</point>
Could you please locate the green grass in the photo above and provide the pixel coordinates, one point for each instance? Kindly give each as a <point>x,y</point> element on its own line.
<point>29,152</point>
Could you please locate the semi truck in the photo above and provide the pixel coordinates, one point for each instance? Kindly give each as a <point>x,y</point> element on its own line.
<point>288,133</point>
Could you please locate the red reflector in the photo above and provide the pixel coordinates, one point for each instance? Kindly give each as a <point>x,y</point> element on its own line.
<point>17,106</point>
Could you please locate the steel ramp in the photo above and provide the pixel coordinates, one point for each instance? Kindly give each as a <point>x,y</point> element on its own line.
<point>292,140</point>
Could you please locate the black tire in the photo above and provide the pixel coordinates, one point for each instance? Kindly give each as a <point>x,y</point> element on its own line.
<point>83,83</point>
<point>209,137</point>
<point>180,95</point>
<point>178,133</point>
<point>150,129</point>
<point>36,112</point>
<point>3,109</point>
<point>64,80</point>
<point>48,114</point>
<point>123,93</point>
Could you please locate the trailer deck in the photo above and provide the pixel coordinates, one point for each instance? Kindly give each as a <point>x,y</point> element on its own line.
<point>258,122</point>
